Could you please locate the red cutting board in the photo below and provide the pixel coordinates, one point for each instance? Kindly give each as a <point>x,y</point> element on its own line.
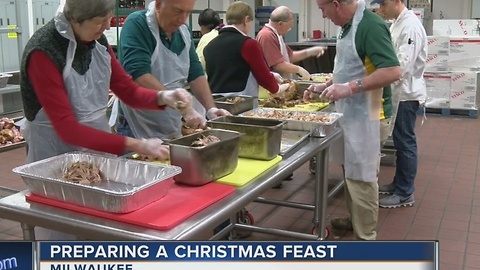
<point>180,203</point>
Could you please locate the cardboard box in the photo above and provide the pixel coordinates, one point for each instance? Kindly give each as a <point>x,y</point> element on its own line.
<point>437,61</point>
<point>464,51</point>
<point>464,90</point>
<point>438,89</point>
<point>455,27</point>
<point>438,45</point>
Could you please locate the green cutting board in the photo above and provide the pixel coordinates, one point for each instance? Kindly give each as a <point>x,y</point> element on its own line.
<point>247,170</point>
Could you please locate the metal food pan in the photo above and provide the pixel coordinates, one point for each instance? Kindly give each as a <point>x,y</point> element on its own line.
<point>129,185</point>
<point>262,136</point>
<point>316,129</point>
<point>292,138</point>
<point>235,108</point>
<point>201,165</point>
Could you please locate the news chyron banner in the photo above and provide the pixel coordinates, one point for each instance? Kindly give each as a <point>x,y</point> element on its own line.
<point>16,255</point>
<point>237,255</point>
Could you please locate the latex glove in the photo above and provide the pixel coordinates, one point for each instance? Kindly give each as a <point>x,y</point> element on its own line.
<point>313,91</point>
<point>316,51</point>
<point>215,112</point>
<point>303,74</point>
<point>154,148</point>
<point>277,77</point>
<point>178,99</point>
<point>337,91</point>
<point>193,119</point>
<point>281,89</point>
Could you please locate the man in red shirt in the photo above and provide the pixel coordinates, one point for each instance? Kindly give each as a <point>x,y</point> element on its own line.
<point>278,55</point>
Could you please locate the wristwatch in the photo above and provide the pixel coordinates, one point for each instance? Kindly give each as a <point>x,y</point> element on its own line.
<point>359,84</point>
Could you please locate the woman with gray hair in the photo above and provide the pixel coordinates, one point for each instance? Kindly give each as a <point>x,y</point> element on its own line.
<point>67,70</point>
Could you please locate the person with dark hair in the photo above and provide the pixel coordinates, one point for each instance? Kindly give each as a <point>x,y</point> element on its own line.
<point>209,22</point>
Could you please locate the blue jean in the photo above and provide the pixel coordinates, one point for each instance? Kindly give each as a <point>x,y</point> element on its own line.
<point>405,143</point>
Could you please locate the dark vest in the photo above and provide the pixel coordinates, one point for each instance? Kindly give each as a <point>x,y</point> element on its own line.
<point>226,69</point>
<point>48,40</point>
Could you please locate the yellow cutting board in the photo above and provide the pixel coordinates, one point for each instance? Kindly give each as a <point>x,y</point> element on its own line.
<point>309,107</point>
<point>247,170</point>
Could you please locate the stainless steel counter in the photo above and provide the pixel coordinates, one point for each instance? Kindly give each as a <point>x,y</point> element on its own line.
<point>197,227</point>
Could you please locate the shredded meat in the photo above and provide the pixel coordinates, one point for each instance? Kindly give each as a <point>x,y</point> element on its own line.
<point>9,134</point>
<point>83,172</point>
<point>205,140</point>
<point>235,100</point>
<point>288,115</point>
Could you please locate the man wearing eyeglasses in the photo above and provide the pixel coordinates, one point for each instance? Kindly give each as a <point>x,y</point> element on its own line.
<point>278,55</point>
<point>365,62</point>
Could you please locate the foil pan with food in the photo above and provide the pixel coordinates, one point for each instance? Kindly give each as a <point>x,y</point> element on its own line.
<point>105,183</point>
<point>319,124</point>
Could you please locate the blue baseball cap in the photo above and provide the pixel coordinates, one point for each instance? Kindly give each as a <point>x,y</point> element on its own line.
<point>377,2</point>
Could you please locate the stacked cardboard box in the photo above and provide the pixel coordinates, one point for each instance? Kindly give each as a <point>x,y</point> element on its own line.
<point>452,74</point>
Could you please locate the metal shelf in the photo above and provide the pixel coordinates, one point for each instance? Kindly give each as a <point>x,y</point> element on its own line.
<point>11,88</point>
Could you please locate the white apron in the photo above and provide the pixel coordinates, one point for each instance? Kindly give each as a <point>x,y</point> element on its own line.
<point>361,112</point>
<point>88,96</point>
<point>172,71</point>
<point>251,88</point>
<point>283,50</point>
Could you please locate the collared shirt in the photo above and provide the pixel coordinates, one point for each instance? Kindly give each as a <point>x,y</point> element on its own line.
<point>137,45</point>
<point>410,41</point>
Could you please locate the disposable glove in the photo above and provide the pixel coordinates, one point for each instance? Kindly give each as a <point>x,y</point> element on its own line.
<point>215,112</point>
<point>193,119</point>
<point>154,148</point>
<point>277,77</point>
<point>303,74</point>
<point>337,91</point>
<point>313,91</point>
<point>178,99</point>
<point>316,51</point>
<point>281,89</point>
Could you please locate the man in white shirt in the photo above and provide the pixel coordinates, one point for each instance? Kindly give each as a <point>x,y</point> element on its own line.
<point>410,42</point>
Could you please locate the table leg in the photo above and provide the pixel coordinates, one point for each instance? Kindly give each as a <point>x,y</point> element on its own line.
<point>321,194</point>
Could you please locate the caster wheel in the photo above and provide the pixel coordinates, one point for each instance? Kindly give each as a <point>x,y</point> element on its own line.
<point>245,218</point>
<point>327,232</point>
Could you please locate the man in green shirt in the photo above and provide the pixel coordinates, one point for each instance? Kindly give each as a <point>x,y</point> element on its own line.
<point>365,63</point>
<point>156,49</point>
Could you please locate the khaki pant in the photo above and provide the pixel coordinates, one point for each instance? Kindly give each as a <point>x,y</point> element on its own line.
<point>362,204</point>
<point>384,131</point>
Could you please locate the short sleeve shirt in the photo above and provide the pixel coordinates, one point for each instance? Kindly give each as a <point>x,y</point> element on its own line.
<point>268,41</point>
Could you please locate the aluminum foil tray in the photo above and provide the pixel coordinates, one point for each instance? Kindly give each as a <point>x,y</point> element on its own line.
<point>201,165</point>
<point>128,185</point>
<point>262,136</point>
<point>316,129</point>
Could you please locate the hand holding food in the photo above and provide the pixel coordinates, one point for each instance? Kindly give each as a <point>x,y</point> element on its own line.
<point>215,112</point>
<point>154,148</point>
<point>192,119</point>
<point>313,91</point>
<point>178,99</point>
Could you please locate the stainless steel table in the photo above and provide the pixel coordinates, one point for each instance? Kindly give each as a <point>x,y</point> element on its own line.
<point>16,208</point>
